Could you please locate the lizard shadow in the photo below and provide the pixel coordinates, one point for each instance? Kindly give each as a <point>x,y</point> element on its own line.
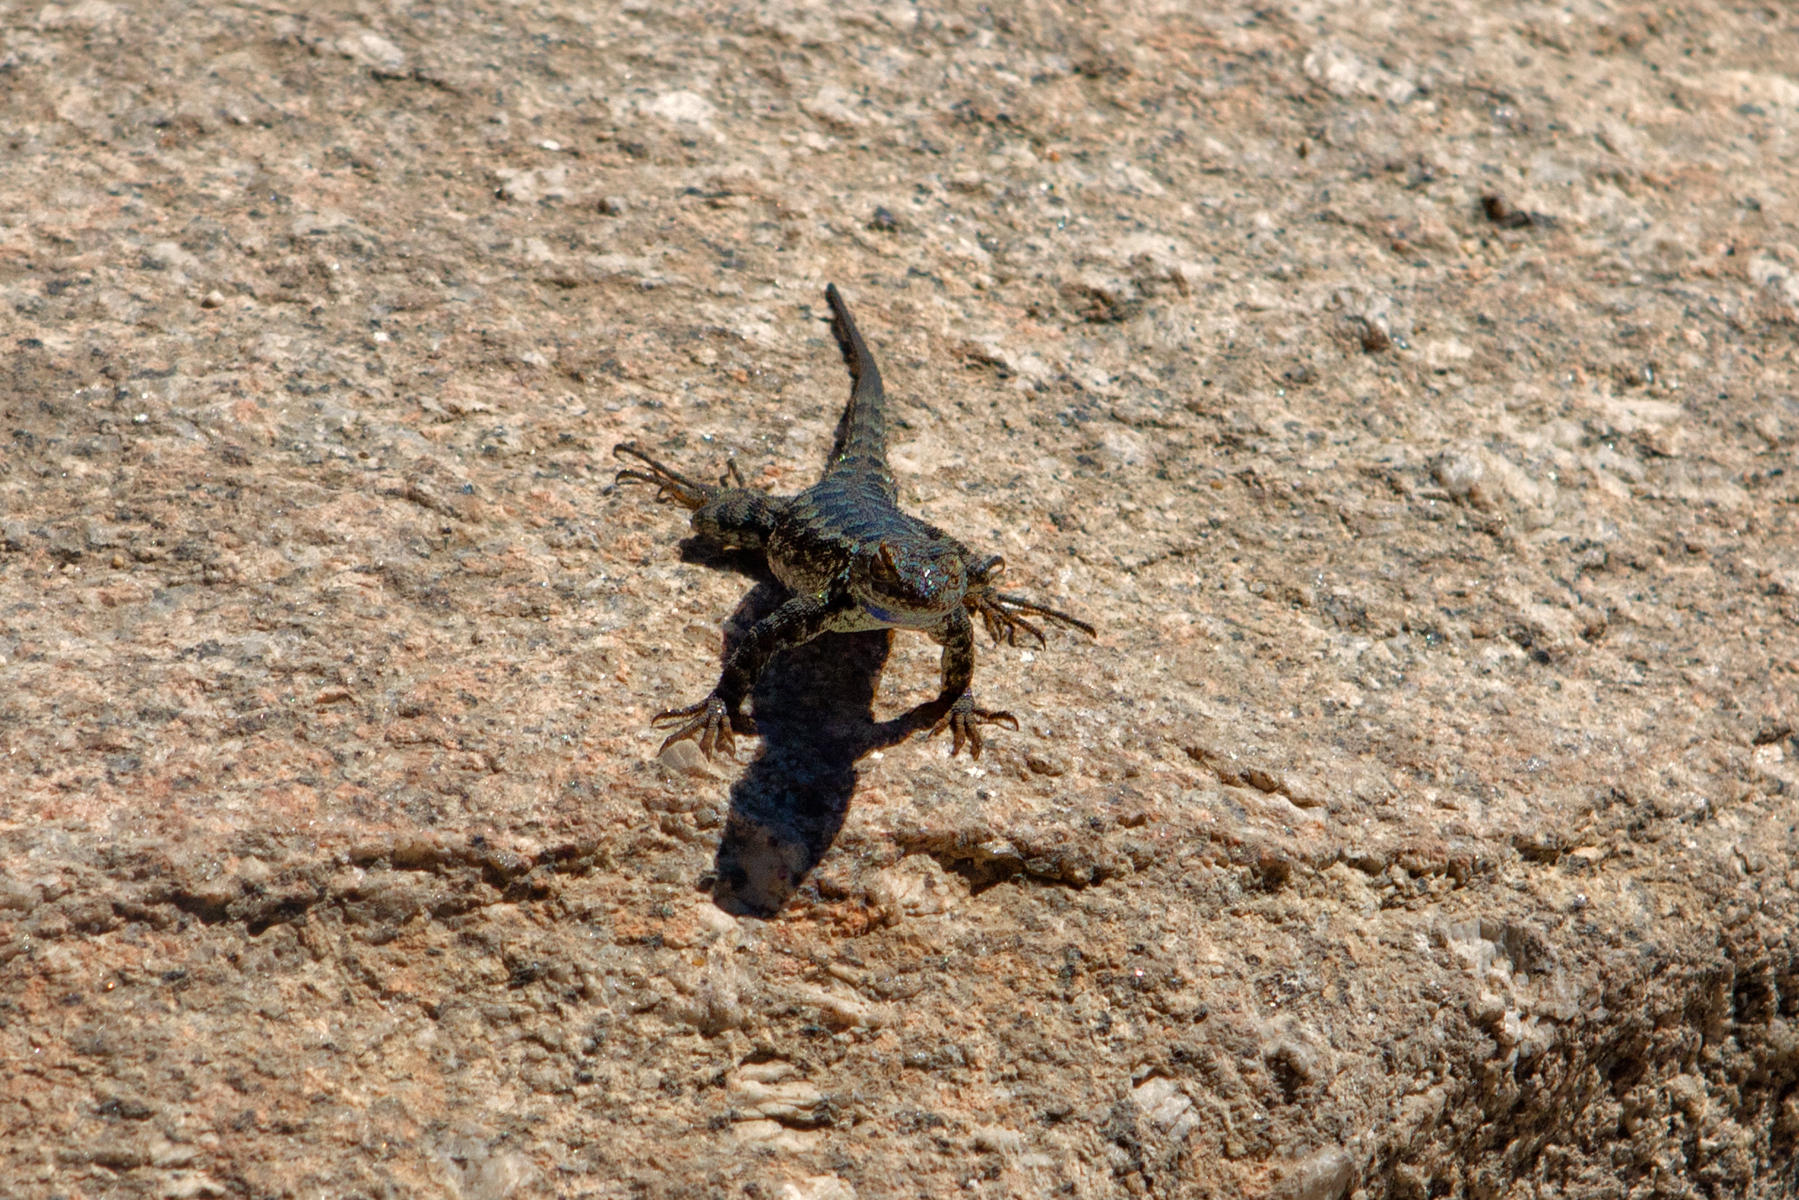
<point>813,706</point>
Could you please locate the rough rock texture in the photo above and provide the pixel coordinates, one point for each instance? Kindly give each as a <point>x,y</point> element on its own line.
<point>1410,393</point>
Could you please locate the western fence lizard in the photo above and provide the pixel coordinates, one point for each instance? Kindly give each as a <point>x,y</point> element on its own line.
<point>852,560</point>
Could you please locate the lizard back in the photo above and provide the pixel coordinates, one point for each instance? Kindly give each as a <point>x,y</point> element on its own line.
<point>828,525</point>
<point>855,505</point>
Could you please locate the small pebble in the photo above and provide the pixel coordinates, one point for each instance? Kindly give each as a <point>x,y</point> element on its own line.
<point>1460,473</point>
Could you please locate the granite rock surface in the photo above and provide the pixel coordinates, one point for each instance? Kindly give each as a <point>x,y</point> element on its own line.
<point>1409,393</point>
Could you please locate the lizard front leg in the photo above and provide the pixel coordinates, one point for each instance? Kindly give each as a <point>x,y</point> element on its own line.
<point>962,718</point>
<point>1003,613</point>
<point>712,721</point>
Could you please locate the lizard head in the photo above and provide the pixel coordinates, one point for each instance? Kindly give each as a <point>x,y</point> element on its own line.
<point>909,583</point>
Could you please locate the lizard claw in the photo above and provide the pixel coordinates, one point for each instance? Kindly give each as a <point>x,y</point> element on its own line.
<point>671,486</point>
<point>964,721</point>
<point>709,723</point>
<point>1004,616</point>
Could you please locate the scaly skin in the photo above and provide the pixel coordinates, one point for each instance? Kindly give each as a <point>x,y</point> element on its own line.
<point>852,560</point>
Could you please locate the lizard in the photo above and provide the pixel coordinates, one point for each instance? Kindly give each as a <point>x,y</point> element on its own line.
<point>851,560</point>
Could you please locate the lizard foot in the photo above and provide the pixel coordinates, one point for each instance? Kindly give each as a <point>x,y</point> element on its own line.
<point>709,723</point>
<point>1004,616</point>
<point>670,484</point>
<point>964,721</point>
<point>1004,613</point>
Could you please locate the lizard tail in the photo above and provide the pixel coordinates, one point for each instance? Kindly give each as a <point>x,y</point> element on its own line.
<point>862,434</point>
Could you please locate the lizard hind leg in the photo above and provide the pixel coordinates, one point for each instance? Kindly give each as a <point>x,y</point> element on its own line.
<point>728,513</point>
<point>671,486</point>
<point>710,723</point>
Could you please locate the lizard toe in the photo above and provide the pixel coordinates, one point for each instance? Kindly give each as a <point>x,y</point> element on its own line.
<point>964,721</point>
<point>709,723</point>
